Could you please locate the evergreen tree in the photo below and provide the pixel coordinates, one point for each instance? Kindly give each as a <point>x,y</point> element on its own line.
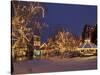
<point>84,33</point>
<point>94,35</point>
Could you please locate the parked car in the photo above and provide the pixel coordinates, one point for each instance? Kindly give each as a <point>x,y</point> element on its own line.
<point>54,53</point>
<point>71,54</point>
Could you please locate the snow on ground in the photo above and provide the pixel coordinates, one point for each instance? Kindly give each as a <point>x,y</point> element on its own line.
<point>55,64</point>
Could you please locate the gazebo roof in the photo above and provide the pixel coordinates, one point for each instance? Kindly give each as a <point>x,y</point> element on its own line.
<point>87,44</point>
<point>43,45</point>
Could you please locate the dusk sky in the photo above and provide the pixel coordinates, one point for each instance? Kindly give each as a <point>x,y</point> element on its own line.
<point>68,16</point>
<point>72,17</point>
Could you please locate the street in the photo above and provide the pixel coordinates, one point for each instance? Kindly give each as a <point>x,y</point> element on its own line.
<point>55,64</point>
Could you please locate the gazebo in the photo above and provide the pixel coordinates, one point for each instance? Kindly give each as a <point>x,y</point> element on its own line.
<point>44,50</point>
<point>87,48</point>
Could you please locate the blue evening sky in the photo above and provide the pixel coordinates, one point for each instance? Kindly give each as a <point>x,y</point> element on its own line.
<point>71,17</point>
